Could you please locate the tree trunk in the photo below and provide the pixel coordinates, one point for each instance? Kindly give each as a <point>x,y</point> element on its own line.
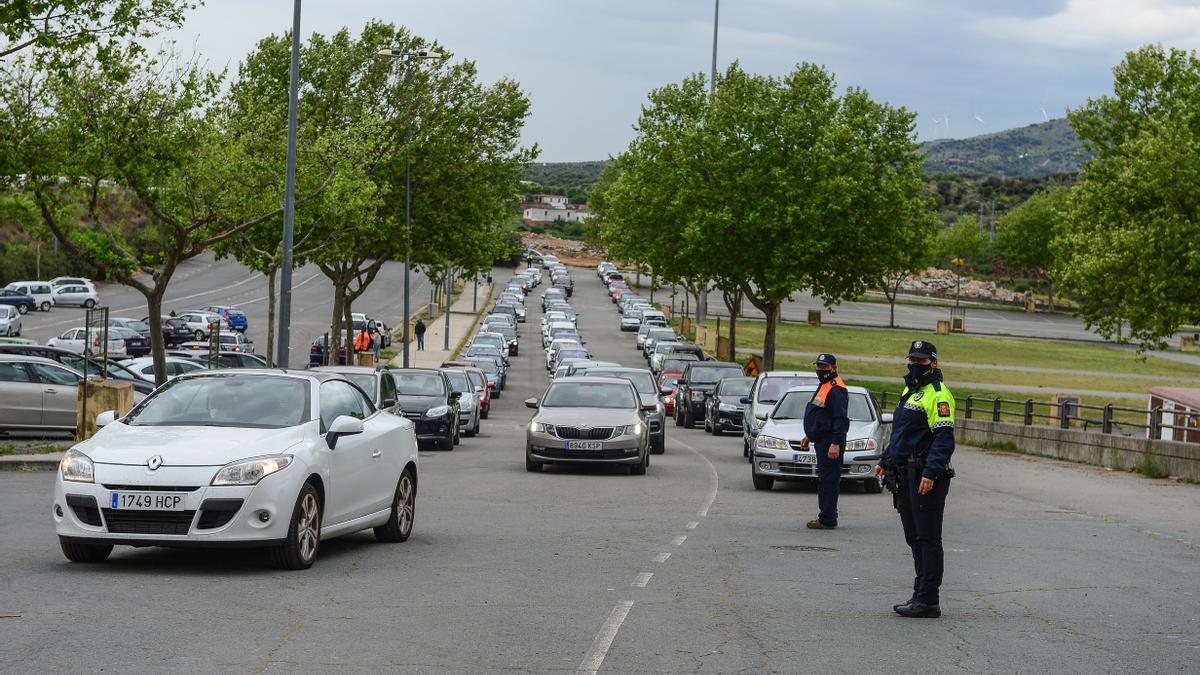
<point>733,302</point>
<point>348,322</point>
<point>769,337</point>
<point>271,272</point>
<point>157,346</point>
<point>335,329</point>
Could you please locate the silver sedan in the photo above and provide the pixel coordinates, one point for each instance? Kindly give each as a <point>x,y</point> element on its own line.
<point>589,420</point>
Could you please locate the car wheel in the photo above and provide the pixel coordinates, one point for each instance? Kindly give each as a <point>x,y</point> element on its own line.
<point>404,511</point>
<point>762,482</point>
<point>678,419</point>
<point>45,306</point>
<point>658,445</point>
<point>745,447</point>
<point>89,303</point>
<point>484,415</point>
<point>199,335</point>
<point>469,433</point>
<point>716,428</point>
<point>22,309</point>
<point>457,434</point>
<point>85,553</point>
<point>496,393</point>
<point>639,469</point>
<point>532,466</point>
<point>299,550</point>
<point>871,486</point>
<point>688,421</point>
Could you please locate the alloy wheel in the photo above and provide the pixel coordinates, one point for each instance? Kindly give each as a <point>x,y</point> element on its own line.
<point>308,530</point>
<point>406,507</point>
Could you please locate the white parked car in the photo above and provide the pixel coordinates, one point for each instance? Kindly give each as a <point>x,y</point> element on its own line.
<point>73,341</point>
<point>42,292</point>
<point>200,323</point>
<point>10,321</point>
<point>250,458</point>
<point>143,366</point>
<point>78,296</point>
<point>59,282</point>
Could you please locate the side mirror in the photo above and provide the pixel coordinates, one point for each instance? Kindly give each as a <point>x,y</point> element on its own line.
<point>745,400</point>
<point>343,425</point>
<point>106,418</point>
<point>762,415</point>
<point>455,395</point>
<point>531,403</point>
<point>885,418</point>
<point>387,403</point>
<point>650,407</point>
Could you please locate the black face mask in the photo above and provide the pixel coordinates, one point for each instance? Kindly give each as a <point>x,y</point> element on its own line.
<point>826,375</point>
<point>918,370</point>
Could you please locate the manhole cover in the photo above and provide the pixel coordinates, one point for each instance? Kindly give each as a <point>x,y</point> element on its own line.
<point>817,549</point>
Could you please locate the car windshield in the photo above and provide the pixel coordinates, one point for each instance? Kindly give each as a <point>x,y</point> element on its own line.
<point>642,381</point>
<point>588,395</point>
<point>735,386</point>
<point>678,362</point>
<point>458,380</point>
<point>419,384</point>
<point>794,404</point>
<point>226,401</point>
<point>365,381</point>
<point>663,346</point>
<point>773,387</point>
<point>477,379</point>
<point>486,366</point>
<point>572,354</point>
<point>712,374</point>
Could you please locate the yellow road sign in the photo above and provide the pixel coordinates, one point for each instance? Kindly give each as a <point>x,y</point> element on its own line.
<point>753,367</point>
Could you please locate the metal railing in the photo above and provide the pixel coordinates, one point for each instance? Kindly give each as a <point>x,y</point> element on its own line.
<point>1066,414</point>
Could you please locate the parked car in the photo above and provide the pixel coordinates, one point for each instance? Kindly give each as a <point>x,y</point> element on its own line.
<point>778,455</point>
<point>654,317</point>
<point>144,366</point>
<point>498,362</point>
<point>376,383</point>
<point>235,317</point>
<point>233,360</point>
<point>491,371</point>
<point>426,397</point>
<point>469,412</point>
<point>647,390</point>
<point>666,388</point>
<point>135,344</point>
<point>76,296</point>
<point>588,419</point>
<point>200,323</point>
<point>258,444</point>
<point>41,292</point>
<point>766,391</point>
<point>496,340</point>
<point>39,394</point>
<point>10,321</point>
<point>482,390</point>
<point>73,340</point>
<point>136,325</point>
<point>174,330</point>
<point>699,380</point>
<point>723,409</point>
<point>22,302</point>
<point>230,342</point>
<point>59,282</point>
<point>95,367</point>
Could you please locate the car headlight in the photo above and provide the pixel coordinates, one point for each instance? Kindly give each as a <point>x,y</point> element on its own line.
<point>437,411</point>
<point>772,443</point>
<point>77,467</point>
<point>250,471</point>
<point>861,444</point>
<point>758,422</point>
<point>539,428</point>
<point>729,407</point>
<point>631,429</point>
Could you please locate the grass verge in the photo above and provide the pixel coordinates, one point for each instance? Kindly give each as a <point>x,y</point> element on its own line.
<point>33,447</point>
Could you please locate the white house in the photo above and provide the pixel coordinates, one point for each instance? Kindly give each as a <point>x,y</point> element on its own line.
<point>537,214</point>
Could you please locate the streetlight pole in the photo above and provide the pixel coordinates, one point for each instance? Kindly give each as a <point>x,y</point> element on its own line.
<point>449,286</point>
<point>702,298</point>
<point>289,200</point>
<point>407,57</point>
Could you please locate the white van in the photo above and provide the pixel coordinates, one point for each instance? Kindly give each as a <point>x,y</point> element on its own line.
<point>653,317</point>
<point>42,292</point>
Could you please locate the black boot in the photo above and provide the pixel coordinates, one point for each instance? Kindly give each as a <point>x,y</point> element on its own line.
<point>919,610</point>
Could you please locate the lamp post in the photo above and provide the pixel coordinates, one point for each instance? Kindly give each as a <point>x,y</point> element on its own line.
<point>407,57</point>
<point>289,200</point>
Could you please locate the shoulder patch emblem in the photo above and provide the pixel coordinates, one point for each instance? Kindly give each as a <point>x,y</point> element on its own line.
<point>943,409</point>
<point>917,396</point>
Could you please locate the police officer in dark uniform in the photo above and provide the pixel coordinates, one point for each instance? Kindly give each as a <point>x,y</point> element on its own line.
<point>916,468</point>
<point>825,425</point>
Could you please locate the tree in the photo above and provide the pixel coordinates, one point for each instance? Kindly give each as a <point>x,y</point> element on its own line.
<point>126,167</point>
<point>964,241</point>
<point>1129,245</point>
<point>1024,240</point>
<point>70,31</point>
<point>907,253</point>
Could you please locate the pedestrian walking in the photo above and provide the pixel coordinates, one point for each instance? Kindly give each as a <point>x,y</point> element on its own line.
<point>419,329</point>
<point>916,469</point>
<point>826,422</point>
<point>376,339</point>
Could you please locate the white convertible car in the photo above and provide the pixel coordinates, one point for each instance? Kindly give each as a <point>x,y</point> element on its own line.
<point>279,459</point>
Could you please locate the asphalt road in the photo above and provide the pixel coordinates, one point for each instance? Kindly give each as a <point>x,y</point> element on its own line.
<point>1051,567</point>
<point>205,280</point>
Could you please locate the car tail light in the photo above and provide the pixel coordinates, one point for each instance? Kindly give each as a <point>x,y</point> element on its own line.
<point>315,350</point>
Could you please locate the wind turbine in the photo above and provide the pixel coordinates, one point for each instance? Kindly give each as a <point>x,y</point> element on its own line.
<point>1045,117</point>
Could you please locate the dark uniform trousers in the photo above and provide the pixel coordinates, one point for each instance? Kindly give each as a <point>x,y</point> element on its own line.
<point>921,516</point>
<point>829,480</point>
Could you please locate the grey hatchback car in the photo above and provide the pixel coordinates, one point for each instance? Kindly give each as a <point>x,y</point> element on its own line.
<point>589,420</point>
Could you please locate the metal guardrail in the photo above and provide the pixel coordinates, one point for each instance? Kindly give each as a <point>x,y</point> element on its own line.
<point>1066,414</point>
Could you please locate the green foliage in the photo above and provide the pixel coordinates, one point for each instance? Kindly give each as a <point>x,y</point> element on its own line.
<point>966,241</point>
<point>1024,237</point>
<point>565,178</point>
<point>1129,245</point>
<point>63,33</point>
<point>1151,467</point>
<point>1036,150</point>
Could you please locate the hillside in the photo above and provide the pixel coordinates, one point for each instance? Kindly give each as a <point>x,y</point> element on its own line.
<point>574,179</point>
<point>1036,150</point>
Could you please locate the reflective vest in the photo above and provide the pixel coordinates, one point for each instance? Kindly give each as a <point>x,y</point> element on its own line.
<point>823,390</point>
<point>362,343</point>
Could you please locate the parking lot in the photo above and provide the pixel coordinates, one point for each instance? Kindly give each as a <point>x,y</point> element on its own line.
<point>687,568</point>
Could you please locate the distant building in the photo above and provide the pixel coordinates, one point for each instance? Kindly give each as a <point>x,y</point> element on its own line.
<point>543,209</point>
<point>1180,408</point>
<point>556,201</point>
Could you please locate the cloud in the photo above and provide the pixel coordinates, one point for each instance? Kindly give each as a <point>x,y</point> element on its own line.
<point>1105,23</point>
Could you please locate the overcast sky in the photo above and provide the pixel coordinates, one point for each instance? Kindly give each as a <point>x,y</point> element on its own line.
<point>588,64</point>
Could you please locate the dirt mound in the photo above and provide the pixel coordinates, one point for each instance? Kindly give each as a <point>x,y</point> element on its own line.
<point>569,251</point>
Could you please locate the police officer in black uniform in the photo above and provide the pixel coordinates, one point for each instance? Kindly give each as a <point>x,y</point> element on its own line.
<point>825,425</point>
<point>916,468</point>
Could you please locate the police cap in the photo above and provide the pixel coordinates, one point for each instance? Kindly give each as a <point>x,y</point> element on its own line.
<point>922,350</point>
<point>826,359</point>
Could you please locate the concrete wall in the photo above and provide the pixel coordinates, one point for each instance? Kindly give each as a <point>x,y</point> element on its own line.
<point>1181,459</point>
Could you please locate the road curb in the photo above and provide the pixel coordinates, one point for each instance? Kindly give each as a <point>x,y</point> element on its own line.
<point>28,463</point>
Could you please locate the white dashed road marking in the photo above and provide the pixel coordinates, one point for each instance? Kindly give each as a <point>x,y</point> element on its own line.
<point>661,557</point>
<point>678,541</point>
<point>604,639</point>
<point>642,579</point>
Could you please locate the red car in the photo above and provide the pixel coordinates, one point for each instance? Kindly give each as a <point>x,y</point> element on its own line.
<point>667,380</point>
<point>479,381</point>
